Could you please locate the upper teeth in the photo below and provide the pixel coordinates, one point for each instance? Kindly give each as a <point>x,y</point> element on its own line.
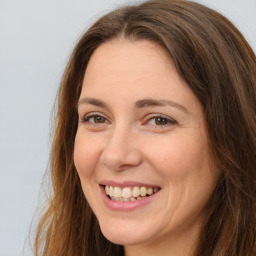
<point>128,192</point>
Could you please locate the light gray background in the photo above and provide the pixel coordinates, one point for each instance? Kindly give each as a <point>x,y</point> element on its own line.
<point>36,38</point>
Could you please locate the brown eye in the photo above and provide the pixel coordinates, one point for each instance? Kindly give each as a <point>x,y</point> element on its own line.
<point>98,119</point>
<point>161,121</point>
<point>94,119</point>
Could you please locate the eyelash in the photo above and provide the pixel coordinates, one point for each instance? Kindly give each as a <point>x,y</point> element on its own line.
<point>168,121</point>
<point>86,118</point>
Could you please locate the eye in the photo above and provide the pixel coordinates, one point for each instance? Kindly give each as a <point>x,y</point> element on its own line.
<point>97,119</point>
<point>161,121</point>
<point>94,119</point>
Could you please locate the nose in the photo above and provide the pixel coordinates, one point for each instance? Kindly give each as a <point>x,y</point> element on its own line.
<point>120,152</point>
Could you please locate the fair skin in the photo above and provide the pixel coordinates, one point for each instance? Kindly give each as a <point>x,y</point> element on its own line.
<point>140,125</point>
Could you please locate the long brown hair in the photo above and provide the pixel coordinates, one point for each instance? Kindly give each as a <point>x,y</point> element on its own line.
<point>212,56</point>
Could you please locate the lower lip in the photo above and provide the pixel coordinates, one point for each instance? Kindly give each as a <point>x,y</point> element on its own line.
<point>126,206</point>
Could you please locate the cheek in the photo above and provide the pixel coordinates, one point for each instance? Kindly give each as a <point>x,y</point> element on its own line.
<point>184,163</point>
<point>86,159</point>
<point>86,155</point>
<point>190,180</point>
<point>177,156</point>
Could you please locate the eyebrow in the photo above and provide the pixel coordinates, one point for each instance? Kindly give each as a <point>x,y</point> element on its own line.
<point>159,103</point>
<point>92,101</point>
<point>138,104</point>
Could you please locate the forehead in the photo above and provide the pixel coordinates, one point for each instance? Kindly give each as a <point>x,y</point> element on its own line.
<point>126,71</point>
<point>124,54</point>
<point>129,63</point>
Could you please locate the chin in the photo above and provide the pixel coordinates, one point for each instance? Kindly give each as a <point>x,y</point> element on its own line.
<point>123,234</point>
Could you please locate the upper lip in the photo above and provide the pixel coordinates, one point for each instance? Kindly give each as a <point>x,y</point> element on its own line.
<point>126,184</point>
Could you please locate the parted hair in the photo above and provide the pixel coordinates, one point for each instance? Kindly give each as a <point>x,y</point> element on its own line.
<point>217,63</point>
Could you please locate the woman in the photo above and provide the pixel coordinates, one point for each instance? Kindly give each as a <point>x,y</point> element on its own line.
<point>155,142</point>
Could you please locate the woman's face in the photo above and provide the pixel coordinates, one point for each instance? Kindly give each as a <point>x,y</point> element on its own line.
<point>141,137</point>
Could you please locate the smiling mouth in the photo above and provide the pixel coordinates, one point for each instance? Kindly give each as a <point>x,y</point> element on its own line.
<point>128,194</point>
